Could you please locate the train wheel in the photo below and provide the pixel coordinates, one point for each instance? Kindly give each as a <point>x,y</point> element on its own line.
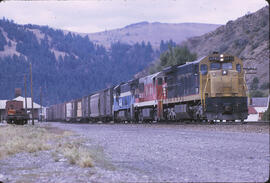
<point>140,118</point>
<point>155,117</point>
<point>211,121</point>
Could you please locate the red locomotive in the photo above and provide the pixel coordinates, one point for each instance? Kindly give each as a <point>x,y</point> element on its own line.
<point>15,114</point>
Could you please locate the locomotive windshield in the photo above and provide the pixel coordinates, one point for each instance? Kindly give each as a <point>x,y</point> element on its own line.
<point>218,66</point>
<point>215,66</point>
<point>226,66</point>
<point>238,67</point>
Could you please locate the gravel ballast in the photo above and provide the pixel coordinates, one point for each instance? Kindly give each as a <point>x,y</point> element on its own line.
<point>162,153</point>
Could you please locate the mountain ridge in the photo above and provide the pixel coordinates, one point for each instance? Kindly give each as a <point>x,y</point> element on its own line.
<point>246,37</point>
<point>150,32</point>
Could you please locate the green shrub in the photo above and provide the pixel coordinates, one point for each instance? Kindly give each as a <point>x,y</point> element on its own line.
<point>265,86</point>
<point>256,93</point>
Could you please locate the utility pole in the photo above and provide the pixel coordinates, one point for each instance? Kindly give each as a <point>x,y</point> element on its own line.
<point>41,104</point>
<point>25,95</point>
<point>32,94</point>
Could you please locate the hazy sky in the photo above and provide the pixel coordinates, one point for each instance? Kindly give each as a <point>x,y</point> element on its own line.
<point>98,15</point>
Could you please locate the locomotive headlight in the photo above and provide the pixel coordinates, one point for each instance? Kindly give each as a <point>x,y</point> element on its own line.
<point>214,74</point>
<point>221,58</point>
<point>224,72</point>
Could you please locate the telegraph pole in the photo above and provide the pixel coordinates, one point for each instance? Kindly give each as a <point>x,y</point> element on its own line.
<point>32,94</point>
<point>25,95</point>
<point>41,104</point>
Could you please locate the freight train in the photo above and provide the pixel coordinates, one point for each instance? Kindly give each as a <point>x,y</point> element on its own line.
<point>210,88</point>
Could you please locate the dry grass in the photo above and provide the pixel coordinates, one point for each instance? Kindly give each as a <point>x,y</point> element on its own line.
<point>17,139</point>
<point>74,152</point>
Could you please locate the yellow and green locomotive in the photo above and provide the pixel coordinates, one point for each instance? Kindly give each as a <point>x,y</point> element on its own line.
<point>210,88</point>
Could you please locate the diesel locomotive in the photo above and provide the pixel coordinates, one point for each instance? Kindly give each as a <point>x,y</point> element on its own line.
<point>210,88</point>
<point>15,113</point>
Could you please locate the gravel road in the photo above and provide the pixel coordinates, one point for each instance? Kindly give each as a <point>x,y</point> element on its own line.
<point>177,153</point>
<point>152,153</point>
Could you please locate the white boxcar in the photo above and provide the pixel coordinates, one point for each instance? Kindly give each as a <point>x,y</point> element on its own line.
<point>94,106</point>
<point>68,111</point>
<point>79,109</point>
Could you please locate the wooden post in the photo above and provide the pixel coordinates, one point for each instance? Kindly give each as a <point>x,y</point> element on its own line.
<point>41,104</point>
<point>32,94</point>
<point>25,95</point>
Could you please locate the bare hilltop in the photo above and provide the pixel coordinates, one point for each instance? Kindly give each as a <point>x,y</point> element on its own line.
<point>152,32</point>
<point>247,37</point>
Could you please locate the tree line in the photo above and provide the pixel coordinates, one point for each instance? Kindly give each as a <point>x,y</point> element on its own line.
<point>82,67</point>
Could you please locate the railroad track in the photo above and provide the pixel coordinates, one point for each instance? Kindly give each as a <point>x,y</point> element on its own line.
<point>182,123</point>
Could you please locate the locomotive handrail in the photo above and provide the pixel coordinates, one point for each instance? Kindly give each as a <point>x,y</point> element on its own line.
<point>201,90</point>
<point>205,90</point>
<point>245,83</point>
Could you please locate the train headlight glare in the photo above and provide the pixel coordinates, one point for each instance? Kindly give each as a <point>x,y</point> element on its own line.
<point>224,72</point>
<point>221,59</point>
<point>221,55</point>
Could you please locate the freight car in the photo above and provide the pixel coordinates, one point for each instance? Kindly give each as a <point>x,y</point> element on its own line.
<point>210,88</point>
<point>86,108</point>
<point>100,105</point>
<point>15,114</point>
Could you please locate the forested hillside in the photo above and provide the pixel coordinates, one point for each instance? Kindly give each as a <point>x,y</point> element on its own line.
<point>66,66</point>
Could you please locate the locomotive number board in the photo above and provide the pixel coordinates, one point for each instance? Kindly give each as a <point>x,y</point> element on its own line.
<point>226,58</point>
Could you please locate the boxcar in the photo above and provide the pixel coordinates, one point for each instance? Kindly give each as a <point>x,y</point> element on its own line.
<point>49,114</point>
<point>78,104</point>
<point>62,112</point>
<point>68,106</point>
<point>86,108</point>
<point>94,107</point>
<point>106,104</point>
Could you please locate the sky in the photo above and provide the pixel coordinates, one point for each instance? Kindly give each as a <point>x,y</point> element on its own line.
<point>100,15</point>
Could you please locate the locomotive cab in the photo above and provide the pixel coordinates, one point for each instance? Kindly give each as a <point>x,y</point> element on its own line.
<point>223,88</point>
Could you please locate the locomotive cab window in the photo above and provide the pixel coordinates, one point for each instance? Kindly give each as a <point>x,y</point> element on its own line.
<point>141,87</point>
<point>215,66</point>
<point>238,67</point>
<point>159,81</point>
<point>204,69</point>
<point>195,69</point>
<point>227,66</point>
